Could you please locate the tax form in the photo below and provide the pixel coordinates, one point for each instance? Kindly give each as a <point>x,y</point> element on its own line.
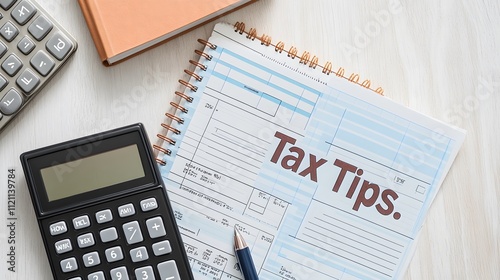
<point>324,178</point>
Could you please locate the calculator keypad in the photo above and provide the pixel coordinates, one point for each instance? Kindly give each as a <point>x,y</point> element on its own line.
<point>123,239</point>
<point>69,264</point>
<point>81,222</point>
<point>25,45</point>
<point>119,273</point>
<point>104,216</point>
<point>114,254</point>
<point>162,248</point>
<point>58,228</point>
<point>33,47</point>
<point>133,232</point>
<point>108,235</point>
<point>63,246</point>
<point>23,12</point>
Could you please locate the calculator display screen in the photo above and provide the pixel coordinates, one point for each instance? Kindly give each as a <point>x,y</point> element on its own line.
<point>93,172</point>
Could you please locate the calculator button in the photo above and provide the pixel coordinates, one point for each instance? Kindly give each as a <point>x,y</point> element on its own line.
<point>119,273</point>
<point>99,275</point>
<point>104,216</point>
<point>3,82</point>
<point>27,81</point>
<point>75,278</point>
<point>25,45</point>
<point>81,222</point>
<point>91,259</point>
<point>57,228</point>
<point>23,12</point>
<point>155,227</point>
<point>63,246</point>
<point>168,270</point>
<point>9,31</point>
<point>85,240</point>
<point>40,27</point>
<point>68,265</point>
<point>114,254</point>
<point>162,248</point>
<point>108,235</point>
<point>149,204</point>
<point>10,103</point>
<point>3,49</point>
<point>59,46</point>
<point>126,210</point>
<point>11,65</point>
<point>132,232</point>
<point>145,273</point>
<point>139,254</point>
<point>42,63</point>
<point>6,3</point>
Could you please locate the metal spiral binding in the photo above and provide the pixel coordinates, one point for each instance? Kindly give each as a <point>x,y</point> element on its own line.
<point>199,65</point>
<point>173,129</point>
<point>305,58</point>
<point>265,40</point>
<point>184,96</point>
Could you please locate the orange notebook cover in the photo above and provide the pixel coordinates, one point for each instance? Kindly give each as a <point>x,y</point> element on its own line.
<point>123,28</point>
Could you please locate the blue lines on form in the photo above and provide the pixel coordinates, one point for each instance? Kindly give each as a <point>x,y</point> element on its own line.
<point>262,94</point>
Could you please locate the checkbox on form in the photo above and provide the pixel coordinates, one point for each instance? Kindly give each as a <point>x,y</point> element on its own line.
<point>420,189</point>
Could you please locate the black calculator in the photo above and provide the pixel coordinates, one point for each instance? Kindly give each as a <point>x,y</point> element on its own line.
<point>103,210</point>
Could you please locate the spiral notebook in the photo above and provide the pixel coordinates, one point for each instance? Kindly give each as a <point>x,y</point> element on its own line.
<point>325,177</point>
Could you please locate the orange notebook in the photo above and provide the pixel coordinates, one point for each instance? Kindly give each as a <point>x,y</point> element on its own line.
<point>123,28</point>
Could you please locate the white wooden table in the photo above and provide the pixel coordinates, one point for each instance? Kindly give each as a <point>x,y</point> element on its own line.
<point>438,57</point>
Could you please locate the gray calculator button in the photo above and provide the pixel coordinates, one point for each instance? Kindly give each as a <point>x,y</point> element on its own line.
<point>6,3</point>
<point>155,227</point>
<point>81,222</point>
<point>59,46</point>
<point>25,45</point>
<point>85,240</point>
<point>57,228</point>
<point>104,216</point>
<point>27,81</point>
<point>132,232</point>
<point>168,270</point>
<point>63,246</point>
<point>40,27</point>
<point>23,12</point>
<point>11,65</point>
<point>3,49</point>
<point>145,273</point>
<point>139,254</point>
<point>9,31</point>
<point>10,103</point>
<point>126,210</point>
<point>149,204</point>
<point>42,63</point>
<point>162,248</point>
<point>114,254</point>
<point>108,235</point>
<point>75,278</point>
<point>91,259</point>
<point>3,82</point>
<point>119,273</point>
<point>99,275</point>
<point>69,264</point>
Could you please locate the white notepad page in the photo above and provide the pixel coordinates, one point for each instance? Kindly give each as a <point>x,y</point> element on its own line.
<point>325,179</point>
